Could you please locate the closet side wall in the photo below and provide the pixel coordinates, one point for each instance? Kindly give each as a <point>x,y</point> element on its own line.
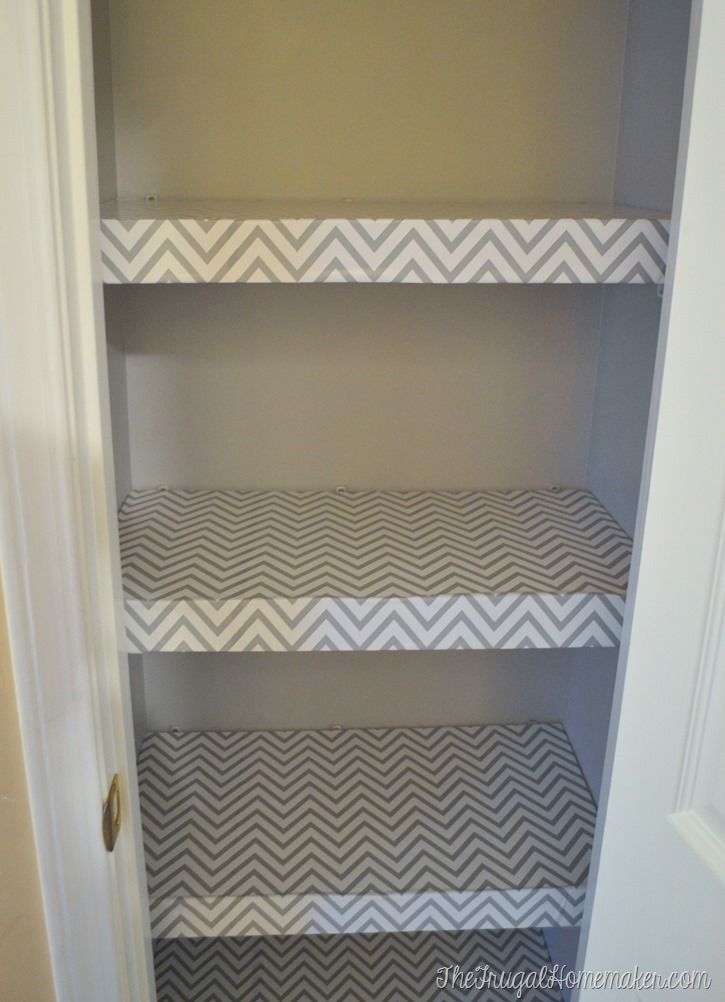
<point>654,69</point>
<point>654,72</point>
<point>103,92</point>
<point>115,346</point>
<point>118,393</point>
<point>118,386</point>
<point>654,78</point>
<point>628,344</point>
<point>586,706</point>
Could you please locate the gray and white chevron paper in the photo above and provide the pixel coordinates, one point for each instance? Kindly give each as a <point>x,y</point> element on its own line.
<point>384,250</point>
<point>370,570</point>
<point>373,830</point>
<point>377,968</point>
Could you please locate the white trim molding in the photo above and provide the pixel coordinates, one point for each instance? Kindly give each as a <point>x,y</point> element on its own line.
<point>57,545</point>
<point>698,816</point>
<point>663,776</point>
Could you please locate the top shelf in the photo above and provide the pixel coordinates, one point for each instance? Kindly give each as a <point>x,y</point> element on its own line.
<point>154,242</point>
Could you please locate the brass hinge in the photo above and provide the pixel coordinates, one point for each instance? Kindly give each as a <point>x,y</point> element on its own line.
<point>112,815</point>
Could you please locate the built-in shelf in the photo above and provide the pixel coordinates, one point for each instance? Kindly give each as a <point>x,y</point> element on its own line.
<point>253,833</point>
<point>370,570</point>
<point>363,968</point>
<point>346,241</point>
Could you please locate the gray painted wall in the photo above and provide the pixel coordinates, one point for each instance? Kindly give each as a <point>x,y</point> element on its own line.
<point>118,393</point>
<point>118,388</point>
<point>137,677</point>
<point>355,690</point>
<point>654,70</point>
<point>628,343</point>
<point>585,708</point>
<point>419,99</point>
<point>563,944</point>
<point>654,75</point>
<point>375,386</point>
<point>103,93</point>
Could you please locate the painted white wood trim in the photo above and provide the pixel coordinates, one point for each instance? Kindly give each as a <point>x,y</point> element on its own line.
<point>702,828</point>
<point>698,808</point>
<point>57,536</point>
<point>692,785</point>
<point>641,868</point>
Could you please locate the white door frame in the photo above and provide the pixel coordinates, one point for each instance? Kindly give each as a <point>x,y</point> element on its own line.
<point>58,549</point>
<point>659,854</point>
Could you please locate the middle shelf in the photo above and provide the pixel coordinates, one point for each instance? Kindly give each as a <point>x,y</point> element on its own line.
<point>370,570</point>
<point>252,833</point>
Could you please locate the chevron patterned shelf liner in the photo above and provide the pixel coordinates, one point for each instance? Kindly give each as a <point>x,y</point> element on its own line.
<point>376,968</point>
<point>617,250</point>
<point>359,831</point>
<point>370,570</point>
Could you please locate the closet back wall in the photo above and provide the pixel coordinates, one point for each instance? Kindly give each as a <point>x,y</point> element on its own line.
<point>383,387</point>
<point>413,99</point>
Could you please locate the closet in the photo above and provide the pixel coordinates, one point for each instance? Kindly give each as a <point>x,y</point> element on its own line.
<point>382,289</point>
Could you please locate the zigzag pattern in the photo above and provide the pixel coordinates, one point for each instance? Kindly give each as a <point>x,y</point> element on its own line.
<point>281,832</point>
<point>378,968</point>
<point>449,623</point>
<point>384,250</point>
<point>370,570</point>
<point>314,915</point>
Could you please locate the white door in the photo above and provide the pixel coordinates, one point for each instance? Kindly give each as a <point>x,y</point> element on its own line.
<point>57,524</point>
<point>659,901</point>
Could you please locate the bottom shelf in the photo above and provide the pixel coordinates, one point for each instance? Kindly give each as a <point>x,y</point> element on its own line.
<point>364,968</point>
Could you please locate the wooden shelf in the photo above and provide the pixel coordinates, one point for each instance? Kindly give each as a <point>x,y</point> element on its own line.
<point>361,831</point>
<point>175,241</point>
<point>370,570</point>
<point>399,968</point>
